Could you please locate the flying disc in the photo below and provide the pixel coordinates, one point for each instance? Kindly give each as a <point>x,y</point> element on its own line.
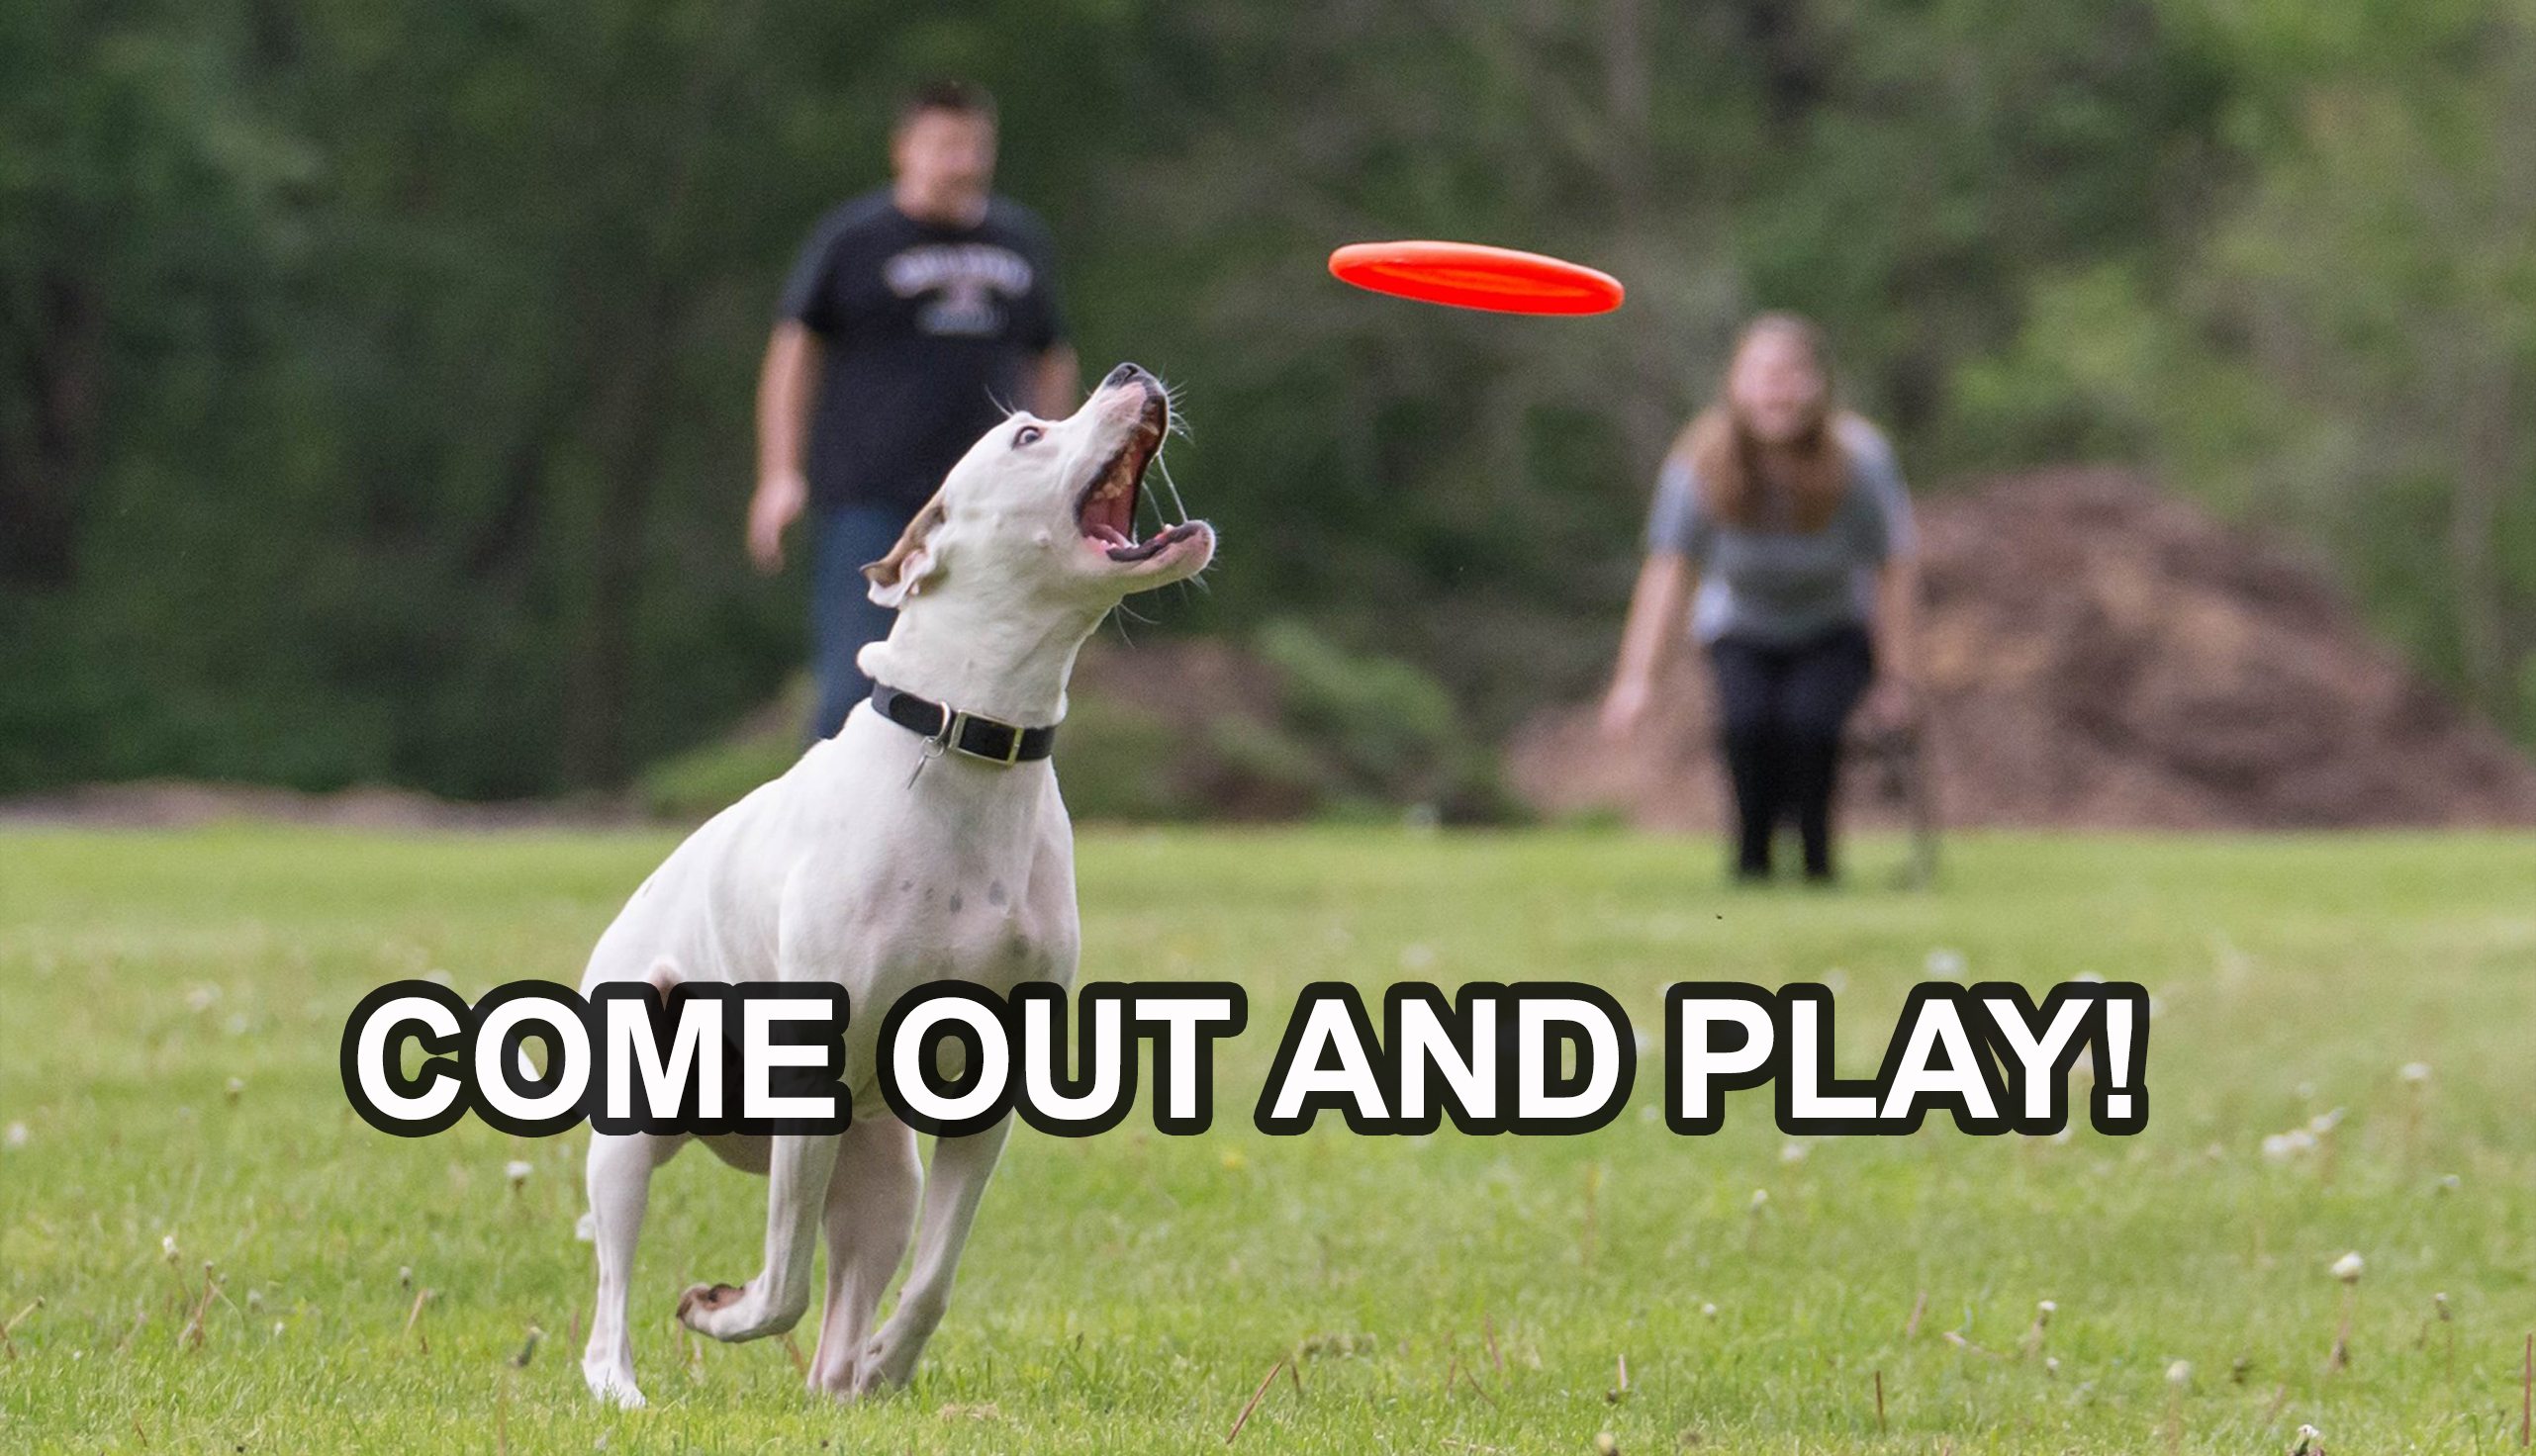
<point>1474,275</point>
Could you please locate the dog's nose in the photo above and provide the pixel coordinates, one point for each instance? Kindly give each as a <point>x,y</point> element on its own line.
<point>1126,373</point>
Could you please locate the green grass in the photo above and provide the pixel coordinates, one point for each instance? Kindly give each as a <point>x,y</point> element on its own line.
<point>1127,1293</point>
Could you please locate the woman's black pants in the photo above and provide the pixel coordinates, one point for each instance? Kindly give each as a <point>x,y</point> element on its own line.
<point>1780,710</point>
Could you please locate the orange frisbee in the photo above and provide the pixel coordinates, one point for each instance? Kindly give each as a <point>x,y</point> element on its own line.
<point>1472,275</point>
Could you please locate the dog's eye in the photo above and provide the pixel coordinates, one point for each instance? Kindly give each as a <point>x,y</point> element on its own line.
<point>1028,434</point>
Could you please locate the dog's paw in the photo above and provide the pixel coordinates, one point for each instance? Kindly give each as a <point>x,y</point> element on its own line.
<point>701,1300</point>
<point>839,1385</point>
<point>732,1315</point>
<point>614,1388</point>
<point>889,1362</point>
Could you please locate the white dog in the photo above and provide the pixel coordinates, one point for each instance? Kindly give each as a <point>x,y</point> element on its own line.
<point>925,844</point>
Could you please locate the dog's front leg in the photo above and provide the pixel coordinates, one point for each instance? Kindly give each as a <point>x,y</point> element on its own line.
<point>773,1300</point>
<point>954,1188</point>
<point>871,1210</point>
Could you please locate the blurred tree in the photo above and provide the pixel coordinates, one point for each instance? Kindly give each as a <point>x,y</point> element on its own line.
<point>375,378</point>
<point>2380,267</point>
<point>2345,340</point>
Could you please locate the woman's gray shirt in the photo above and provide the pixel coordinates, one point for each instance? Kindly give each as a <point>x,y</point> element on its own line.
<point>1777,585</point>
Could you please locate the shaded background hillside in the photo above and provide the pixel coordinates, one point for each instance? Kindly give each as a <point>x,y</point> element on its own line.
<point>374,380</point>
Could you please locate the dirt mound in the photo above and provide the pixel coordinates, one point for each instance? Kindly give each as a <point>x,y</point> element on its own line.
<point>2098,653</point>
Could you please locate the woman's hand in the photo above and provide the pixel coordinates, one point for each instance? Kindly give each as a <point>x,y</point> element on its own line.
<point>1623,705</point>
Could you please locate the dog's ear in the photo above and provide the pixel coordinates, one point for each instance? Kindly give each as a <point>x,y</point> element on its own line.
<point>895,576</point>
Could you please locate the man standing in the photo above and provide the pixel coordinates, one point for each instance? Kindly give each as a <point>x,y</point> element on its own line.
<point>917,314</point>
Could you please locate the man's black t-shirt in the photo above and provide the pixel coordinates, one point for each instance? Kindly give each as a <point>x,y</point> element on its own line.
<point>930,331</point>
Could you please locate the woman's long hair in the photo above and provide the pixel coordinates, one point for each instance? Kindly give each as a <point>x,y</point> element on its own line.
<point>1727,459</point>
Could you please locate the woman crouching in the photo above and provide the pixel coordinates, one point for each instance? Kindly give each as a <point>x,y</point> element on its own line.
<point>1783,522</point>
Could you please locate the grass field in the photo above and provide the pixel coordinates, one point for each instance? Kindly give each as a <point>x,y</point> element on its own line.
<point>1455,1295</point>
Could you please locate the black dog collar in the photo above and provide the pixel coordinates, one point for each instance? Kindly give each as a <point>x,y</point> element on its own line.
<point>978,738</point>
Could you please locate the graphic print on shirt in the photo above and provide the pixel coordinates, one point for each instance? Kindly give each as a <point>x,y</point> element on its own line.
<point>964,285</point>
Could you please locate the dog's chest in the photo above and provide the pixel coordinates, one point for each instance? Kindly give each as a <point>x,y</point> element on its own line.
<point>993,922</point>
<point>976,888</point>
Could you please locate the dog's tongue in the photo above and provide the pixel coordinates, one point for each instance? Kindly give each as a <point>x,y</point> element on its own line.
<point>1110,535</point>
<point>1133,551</point>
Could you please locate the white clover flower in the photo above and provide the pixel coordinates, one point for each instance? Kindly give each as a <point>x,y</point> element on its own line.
<point>235,1086</point>
<point>2348,1267</point>
<point>1417,957</point>
<point>1944,964</point>
<point>2450,1182</point>
<point>16,1136</point>
<point>2051,1364</point>
<point>2045,1308</point>
<point>2325,1122</point>
<point>202,998</point>
<point>1708,1310</point>
<point>2415,1073</point>
<point>516,1171</point>
<point>2179,1373</point>
<point>1761,1199</point>
<point>167,1246</point>
<point>1794,1153</point>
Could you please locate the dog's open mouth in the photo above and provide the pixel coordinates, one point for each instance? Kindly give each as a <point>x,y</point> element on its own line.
<point>1106,514</point>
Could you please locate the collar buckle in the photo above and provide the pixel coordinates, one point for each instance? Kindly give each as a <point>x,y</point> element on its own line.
<point>955,734</point>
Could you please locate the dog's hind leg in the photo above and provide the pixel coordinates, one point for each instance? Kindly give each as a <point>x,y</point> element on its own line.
<point>796,1179</point>
<point>619,1180</point>
<point>870,1214</point>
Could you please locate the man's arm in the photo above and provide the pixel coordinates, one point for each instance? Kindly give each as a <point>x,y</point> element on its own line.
<point>785,386</point>
<point>1056,382</point>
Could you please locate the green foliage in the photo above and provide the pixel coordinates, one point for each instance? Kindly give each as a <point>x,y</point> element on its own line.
<point>1336,734</point>
<point>693,786</point>
<point>378,378</point>
<point>1117,760</point>
<point>2343,344</point>
<point>1389,732</point>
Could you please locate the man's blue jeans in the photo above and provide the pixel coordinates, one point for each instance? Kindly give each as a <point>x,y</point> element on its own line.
<point>843,616</point>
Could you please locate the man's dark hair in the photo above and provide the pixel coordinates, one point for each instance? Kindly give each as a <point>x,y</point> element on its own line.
<point>960,98</point>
